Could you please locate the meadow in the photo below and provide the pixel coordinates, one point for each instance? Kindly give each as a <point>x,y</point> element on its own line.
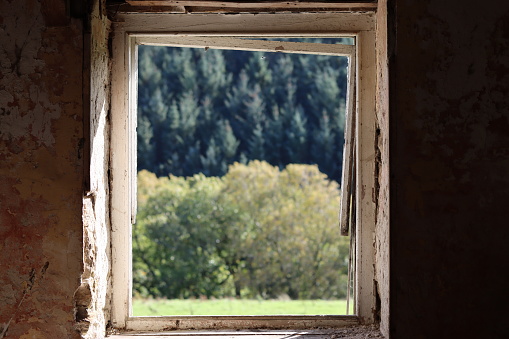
<point>227,306</point>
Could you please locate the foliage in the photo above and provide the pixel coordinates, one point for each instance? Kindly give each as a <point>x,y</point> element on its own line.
<point>201,110</point>
<point>257,232</point>
<point>175,239</point>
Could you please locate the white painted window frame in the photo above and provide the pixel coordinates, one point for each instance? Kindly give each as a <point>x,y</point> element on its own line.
<point>133,29</point>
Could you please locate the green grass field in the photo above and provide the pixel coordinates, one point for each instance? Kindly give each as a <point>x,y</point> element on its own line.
<point>153,307</point>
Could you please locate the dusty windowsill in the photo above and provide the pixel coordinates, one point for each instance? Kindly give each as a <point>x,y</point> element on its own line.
<point>355,332</point>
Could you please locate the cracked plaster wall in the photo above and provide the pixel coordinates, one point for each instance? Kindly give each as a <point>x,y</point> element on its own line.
<point>449,153</point>
<point>382,171</point>
<point>41,169</point>
<point>96,250</point>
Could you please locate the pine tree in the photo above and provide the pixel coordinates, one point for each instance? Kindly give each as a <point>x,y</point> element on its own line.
<point>245,109</point>
<point>206,121</point>
<point>323,149</point>
<point>187,74</point>
<point>192,160</point>
<point>284,82</point>
<point>261,73</point>
<point>189,111</point>
<point>296,138</point>
<point>157,113</point>
<point>171,142</point>
<point>145,135</point>
<point>214,79</point>
<point>227,140</point>
<point>255,110</point>
<point>211,161</point>
<point>257,144</point>
<point>274,136</point>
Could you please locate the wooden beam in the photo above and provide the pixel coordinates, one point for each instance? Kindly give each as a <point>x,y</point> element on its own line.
<point>233,43</point>
<point>251,5</point>
<point>347,189</point>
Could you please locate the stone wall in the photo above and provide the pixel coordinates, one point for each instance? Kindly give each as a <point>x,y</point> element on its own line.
<point>96,223</point>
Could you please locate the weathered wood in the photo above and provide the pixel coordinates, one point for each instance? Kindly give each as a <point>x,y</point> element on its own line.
<point>123,180</point>
<point>233,43</point>
<point>348,152</point>
<point>238,322</point>
<point>127,8</point>
<point>301,25</point>
<point>132,29</point>
<point>252,5</point>
<point>236,334</point>
<point>365,179</point>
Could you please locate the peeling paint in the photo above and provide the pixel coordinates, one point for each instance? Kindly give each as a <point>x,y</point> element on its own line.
<point>40,174</point>
<point>382,179</point>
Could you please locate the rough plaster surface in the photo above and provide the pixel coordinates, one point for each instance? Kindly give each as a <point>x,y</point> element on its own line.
<point>449,90</point>
<point>96,246</point>
<point>41,171</point>
<point>382,172</point>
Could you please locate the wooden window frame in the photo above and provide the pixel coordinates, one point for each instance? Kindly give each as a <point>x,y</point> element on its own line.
<point>133,29</point>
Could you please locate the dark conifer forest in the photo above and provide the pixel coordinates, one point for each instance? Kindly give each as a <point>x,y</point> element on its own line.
<point>201,110</point>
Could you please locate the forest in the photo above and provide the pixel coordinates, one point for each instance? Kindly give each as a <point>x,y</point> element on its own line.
<point>239,159</point>
<point>201,110</point>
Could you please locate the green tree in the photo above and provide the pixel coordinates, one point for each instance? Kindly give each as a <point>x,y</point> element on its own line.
<point>256,232</point>
<point>290,243</point>
<point>175,238</point>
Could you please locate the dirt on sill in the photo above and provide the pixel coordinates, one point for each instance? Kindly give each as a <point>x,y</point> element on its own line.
<point>353,332</point>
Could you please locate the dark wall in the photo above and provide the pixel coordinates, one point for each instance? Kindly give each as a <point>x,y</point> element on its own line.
<point>449,153</point>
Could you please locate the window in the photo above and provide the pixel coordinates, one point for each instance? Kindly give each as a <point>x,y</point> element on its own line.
<point>221,31</point>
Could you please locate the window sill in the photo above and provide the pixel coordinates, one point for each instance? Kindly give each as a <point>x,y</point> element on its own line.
<point>352,332</point>
<point>239,323</point>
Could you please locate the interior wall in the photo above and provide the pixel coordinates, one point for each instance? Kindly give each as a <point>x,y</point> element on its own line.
<point>382,235</point>
<point>41,168</point>
<point>449,153</point>
<point>96,222</point>
<point>449,129</point>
